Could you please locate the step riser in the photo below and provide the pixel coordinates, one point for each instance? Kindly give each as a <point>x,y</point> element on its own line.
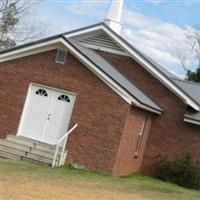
<point>45,149</point>
<point>9,156</point>
<point>30,141</point>
<point>15,146</point>
<point>13,151</point>
<point>39,158</point>
<point>19,148</point>
<point>33,144</point>
<point>20,142</point>
<point>27,146</point>
<point>41,153</point>
<point>6,146</point>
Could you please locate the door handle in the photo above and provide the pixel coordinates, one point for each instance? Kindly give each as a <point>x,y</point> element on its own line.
<point>49,115</point>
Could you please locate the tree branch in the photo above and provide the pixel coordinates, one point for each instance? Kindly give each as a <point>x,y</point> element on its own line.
<point>11,13</point>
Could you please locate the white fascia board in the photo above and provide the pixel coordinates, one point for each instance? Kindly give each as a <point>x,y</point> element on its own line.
<point>148,109</point>
<point>95,28</point>
<point>191,121</point>
<point>29,50</point>
<point>52,88</point>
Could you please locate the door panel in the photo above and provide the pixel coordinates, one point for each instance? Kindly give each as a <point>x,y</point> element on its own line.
<point>60,114</point>
<point>36,113</point>
<point>47,114</point>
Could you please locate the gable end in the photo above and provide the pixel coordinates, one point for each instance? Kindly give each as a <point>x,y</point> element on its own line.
<point>102,42</point>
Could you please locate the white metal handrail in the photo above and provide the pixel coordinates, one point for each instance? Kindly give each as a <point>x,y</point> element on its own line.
<point>63,138</point>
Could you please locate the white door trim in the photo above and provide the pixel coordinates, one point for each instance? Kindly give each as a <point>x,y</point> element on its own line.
<point>24,110</point>
<point>19,132</point>
<point>52,88</point>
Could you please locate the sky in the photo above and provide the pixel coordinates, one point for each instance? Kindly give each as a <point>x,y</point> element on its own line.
<point>156,27</point>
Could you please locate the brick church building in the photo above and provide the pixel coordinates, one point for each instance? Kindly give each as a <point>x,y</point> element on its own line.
<point>129,109</point>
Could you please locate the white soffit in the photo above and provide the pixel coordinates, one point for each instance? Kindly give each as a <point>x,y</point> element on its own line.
<point>99,40</point>
<point>31,50</point>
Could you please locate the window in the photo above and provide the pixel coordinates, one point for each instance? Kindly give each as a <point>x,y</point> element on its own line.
<point>41,92</point>
<point>64,98</point>
<point>61,56</point>
<point>140,137</point>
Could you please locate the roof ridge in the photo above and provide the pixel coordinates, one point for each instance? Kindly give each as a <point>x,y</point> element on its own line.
<point>82,28</point>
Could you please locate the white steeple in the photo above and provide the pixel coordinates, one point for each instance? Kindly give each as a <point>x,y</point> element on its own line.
<point>114,17</point>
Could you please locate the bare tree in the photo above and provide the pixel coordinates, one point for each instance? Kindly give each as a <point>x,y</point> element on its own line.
<point>193,36</point>
<point>12,27</point>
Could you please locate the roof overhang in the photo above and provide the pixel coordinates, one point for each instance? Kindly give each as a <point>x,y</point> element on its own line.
<point>192,121</point>
<point>140,59</point>
<point>191,116</point>
<point>60,41</point>
<point>31,50</point>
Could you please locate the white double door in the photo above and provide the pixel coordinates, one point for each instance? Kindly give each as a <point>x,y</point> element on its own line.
<point>46,114</point>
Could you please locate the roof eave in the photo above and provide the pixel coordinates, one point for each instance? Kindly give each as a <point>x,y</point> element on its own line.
<point>147,108</point>
<point>192,121</point>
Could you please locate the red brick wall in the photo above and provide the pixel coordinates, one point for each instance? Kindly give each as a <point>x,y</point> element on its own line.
<point>99,112</point>
<point>169,135</point>
<point>105,121</point>
<point>127,161</point>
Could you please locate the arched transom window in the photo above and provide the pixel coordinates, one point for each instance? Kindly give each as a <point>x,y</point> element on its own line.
<point>64,98</point>
<point>42,92</point>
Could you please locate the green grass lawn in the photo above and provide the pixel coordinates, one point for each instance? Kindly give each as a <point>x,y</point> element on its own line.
<point>25,180</point>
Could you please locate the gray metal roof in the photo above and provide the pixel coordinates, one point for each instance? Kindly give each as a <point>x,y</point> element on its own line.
<point>191,88</point>
<point>115,75</point>
<point>159,67</point>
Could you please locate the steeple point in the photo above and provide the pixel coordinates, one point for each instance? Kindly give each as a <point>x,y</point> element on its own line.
<point>114,18</point>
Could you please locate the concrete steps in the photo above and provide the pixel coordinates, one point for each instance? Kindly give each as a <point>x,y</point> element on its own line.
<point>9,156</point>
<point>21,148</point>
